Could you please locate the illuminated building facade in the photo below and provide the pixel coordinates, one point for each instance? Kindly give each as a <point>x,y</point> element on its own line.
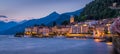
<point>71,19</point>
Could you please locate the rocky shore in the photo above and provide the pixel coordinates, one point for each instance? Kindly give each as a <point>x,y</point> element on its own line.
<point>116,44</point>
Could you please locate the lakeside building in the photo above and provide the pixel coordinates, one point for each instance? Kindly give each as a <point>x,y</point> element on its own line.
<point>95,28</point>
<point>35,30</point>
<point>43,31</point>
<point>61,30</point>
<point>28,31</point>
<point>79,28</point>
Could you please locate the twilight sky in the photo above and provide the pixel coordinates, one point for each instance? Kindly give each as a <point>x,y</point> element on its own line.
<point>18,10</point>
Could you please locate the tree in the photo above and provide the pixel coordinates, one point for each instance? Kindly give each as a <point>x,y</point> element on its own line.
<point>66,22</point>
<point>54,24</point>
<point>76,18</point>
<point>115,27</point>
<point>99,9</point>
<point>36,25</point>
<point>42,24</point>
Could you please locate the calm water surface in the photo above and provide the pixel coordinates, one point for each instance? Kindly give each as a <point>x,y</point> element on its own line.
<point>12,45</point>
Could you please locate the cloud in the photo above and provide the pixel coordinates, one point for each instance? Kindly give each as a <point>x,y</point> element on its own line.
<point>3,16</point>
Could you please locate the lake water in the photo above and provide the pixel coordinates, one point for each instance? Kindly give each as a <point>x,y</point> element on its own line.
<point>13,45</point>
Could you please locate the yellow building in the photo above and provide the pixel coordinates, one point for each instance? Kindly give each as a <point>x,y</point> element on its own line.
<point>71,19</point>
<point>28,31</point>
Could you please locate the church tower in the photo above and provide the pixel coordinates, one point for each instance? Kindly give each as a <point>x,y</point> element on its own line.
<point>71,19</point>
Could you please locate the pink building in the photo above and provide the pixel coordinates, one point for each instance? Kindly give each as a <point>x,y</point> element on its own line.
<point>63,29</point>
<point>35,30</point>
<point>43,31</point>
<point>79,28</point>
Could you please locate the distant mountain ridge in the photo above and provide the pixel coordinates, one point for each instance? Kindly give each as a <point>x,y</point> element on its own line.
<point>48,20</point>
<point>21,27</point>
<point>7,25</point>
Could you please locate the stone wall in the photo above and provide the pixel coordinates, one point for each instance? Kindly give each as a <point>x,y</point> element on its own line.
<point>116,44</point>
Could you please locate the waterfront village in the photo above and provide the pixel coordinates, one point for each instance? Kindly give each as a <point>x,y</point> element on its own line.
<point>89,28</point>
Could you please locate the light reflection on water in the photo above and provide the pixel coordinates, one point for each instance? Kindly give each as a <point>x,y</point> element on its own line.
<point>97,40</point>
<point>77,38</point>
<point>13,45</point>
<point>109,43</point>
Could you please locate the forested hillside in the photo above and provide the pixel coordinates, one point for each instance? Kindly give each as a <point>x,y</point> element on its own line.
<point>100,9</point>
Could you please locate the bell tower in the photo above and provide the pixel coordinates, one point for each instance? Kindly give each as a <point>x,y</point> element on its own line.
<point>71,19</point>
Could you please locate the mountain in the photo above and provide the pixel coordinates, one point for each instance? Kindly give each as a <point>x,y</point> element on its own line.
<point>100,9</point>
<point>48,21</point>
<point>78,12</point>
<point>23,21</point>
<point>2,23</point>
<point>66,16</point>
<point>5,26</point>
<point>20,28</point>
